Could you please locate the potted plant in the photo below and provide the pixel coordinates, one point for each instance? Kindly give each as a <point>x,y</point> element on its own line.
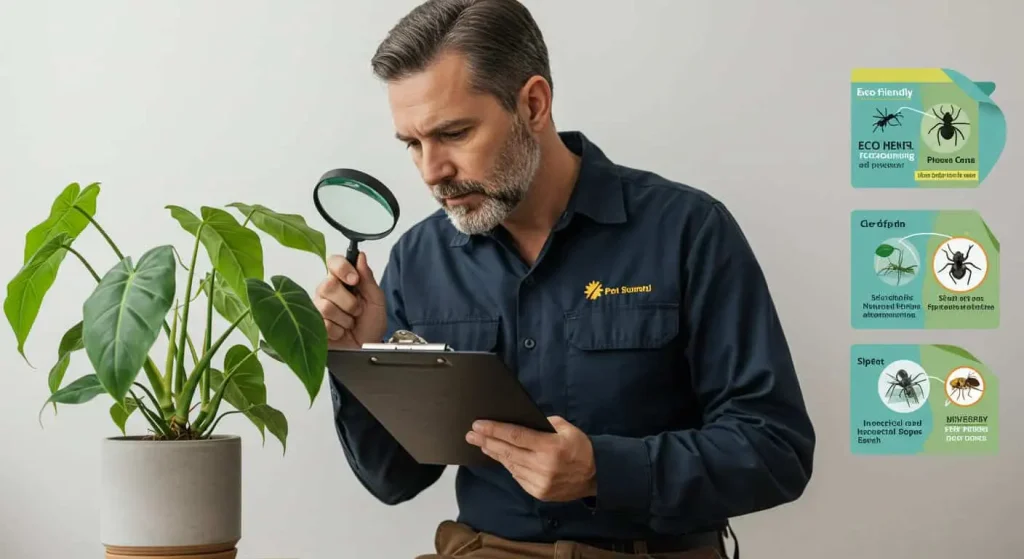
<point>176,489</point>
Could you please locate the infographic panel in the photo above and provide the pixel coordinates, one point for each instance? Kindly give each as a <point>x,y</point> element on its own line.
<point>923,269</point>
<point>922,399</point>
<point>922,128</point>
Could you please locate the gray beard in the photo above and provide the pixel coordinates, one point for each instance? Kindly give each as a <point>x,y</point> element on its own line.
<point>507,186</point>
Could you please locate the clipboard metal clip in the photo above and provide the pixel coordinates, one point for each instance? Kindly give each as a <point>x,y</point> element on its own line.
<point>406,340</point>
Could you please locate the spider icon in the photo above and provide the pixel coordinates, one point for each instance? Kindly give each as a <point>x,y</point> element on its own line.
<point>906,387</point>
<point>958,263</point>
<point>948,127</point>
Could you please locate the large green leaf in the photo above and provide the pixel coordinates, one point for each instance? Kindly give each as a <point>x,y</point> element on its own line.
<point>265,348</point>
<point>293,327</point>
<point>64,218</point>
<point>69,343</point>
<point>80,391</point>
<point>247,382</point>
<point>229,306</point>
<point>26,291</point>
<point>247,386</point>
<point>290,230</point>
<point>275,421</point>
<point>235,251</point>
<point>121,412</point>
<point>123,317</point>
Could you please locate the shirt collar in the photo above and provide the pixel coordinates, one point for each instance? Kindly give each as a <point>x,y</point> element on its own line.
<point>598,191</point>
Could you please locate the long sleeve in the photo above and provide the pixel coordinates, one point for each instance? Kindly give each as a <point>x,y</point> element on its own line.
<point>755,446</point>
<point>377,459</point>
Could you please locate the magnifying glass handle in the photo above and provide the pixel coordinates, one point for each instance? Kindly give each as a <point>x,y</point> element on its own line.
<point>352,255</point>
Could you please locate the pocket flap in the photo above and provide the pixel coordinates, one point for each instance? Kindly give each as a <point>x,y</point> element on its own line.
<point>636,326</point>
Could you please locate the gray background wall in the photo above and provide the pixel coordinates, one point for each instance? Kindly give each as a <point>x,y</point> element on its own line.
<point>194,103</point>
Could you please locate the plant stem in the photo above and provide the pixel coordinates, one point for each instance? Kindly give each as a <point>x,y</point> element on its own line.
<point>179,381</point>
<point>151,417</point>
<point>213,427</point>
<point>204,384</point>
<point>157,403</point>
<point>185,397</point>
<point>102,232</point>
<point>163,398</point>
<point>204,418</point>
<point>183,400</point>
<point>192,350</point>
<point>83,261</point>
<point>147,417</point>
<point>205,381</point>
<point>215,404</point>
<point>171,352</point>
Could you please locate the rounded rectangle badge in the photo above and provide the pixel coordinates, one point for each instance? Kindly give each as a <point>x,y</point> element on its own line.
<point>923,269</point>
<point>922,128</point>
<point>922,399</point>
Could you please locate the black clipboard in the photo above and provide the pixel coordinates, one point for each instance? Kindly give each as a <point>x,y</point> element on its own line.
<point>427,396</point>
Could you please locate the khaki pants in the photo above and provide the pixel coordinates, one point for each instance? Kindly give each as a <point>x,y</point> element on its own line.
<point>454,541</point>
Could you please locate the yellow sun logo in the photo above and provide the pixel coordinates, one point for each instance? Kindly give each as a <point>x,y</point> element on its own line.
<point>593,290</point>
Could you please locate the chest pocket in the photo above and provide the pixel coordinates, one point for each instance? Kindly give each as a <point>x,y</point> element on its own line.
<point>462,334</point>
<point>622,365</point>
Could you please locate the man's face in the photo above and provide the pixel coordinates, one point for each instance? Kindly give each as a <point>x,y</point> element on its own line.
<point>477,159</point>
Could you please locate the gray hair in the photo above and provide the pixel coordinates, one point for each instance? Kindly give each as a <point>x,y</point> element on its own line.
<point>499,38</point>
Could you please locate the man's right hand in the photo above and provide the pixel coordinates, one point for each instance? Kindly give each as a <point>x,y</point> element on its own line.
<point>352,319</point>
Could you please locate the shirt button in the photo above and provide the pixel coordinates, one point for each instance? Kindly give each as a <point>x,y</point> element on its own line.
<point>528,280</point>
<point>529,343</point>
<point>553,523</point>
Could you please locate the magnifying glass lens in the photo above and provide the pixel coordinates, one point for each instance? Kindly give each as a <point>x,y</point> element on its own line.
<point>357,205</point>
<point>359,208</point>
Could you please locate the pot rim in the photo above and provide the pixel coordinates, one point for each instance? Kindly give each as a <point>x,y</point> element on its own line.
<point>140,440</point>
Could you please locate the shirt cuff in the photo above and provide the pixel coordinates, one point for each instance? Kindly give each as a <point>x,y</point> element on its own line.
<point>623,471</point>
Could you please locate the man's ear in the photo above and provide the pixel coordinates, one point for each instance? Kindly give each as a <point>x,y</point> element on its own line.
<point>535,99</point>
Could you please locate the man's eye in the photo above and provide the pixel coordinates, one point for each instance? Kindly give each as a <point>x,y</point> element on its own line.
<point>453,135</point>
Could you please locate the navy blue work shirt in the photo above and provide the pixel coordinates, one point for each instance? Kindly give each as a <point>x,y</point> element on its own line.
<point>646,322</point>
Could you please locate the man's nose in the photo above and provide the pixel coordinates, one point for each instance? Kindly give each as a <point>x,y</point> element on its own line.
<point>435,167</point>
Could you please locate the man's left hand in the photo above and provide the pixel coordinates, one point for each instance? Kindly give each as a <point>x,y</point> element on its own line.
<point>550,466</point>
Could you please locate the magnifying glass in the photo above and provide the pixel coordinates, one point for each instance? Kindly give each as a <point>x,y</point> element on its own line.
<point>357,205</point>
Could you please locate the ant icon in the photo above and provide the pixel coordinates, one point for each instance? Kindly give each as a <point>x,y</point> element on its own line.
<point>885,118</point>
<point>959,264</point>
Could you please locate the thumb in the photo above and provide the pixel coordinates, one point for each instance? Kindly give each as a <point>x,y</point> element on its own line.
<point>560,424</point>
<point>367,282</point>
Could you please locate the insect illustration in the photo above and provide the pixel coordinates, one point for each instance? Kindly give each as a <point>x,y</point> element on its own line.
<point>885,118</point>
<point>885,251</point>
<point>958,265</point>
<point>905,387</point>
<point>966,384</point>
<point>947,129</point>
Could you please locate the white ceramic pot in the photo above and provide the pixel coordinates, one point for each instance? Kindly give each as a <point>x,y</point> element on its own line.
<point>171,498</point>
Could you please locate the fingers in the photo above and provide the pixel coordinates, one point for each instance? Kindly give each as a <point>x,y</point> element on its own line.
<point>515,435</point>
<point>368,286</point>
<point>342,269</point>
<point>338,306</point>
<point>500,450</point>
<point>335,302</point>
<point>527,467</point>
<point>560,424</point>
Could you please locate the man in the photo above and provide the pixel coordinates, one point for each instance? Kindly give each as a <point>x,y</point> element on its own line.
<point>631,308</point>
